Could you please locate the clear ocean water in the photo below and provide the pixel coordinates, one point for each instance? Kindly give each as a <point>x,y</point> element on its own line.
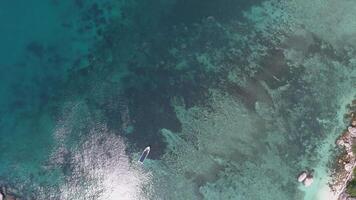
<point>235,97</point>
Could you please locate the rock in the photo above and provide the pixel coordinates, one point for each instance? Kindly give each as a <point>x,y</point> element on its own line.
<point>343,196</point>
<point>353,123</point>
<point>352,131</point>
<point>348,147</point>
<point>308,181</point>
<point>340,142</point>
<point>1,196</point>
<point>302,176</point>
<point>348,167</point>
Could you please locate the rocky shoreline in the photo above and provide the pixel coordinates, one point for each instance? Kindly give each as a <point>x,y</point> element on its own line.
<point>346,161</point>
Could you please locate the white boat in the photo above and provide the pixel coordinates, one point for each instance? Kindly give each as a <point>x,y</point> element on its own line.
<point>144,154</point>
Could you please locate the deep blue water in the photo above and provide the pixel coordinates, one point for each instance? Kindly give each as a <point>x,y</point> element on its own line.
<point>234,97</point>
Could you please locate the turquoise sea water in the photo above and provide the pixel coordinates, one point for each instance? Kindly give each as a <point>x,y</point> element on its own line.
<point>235,98</point>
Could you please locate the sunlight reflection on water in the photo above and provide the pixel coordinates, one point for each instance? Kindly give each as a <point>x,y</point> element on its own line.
<point>99,166</point>
<point>102,170</point>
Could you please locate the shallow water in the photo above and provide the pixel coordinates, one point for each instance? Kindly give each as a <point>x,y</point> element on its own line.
<point>235,98</point>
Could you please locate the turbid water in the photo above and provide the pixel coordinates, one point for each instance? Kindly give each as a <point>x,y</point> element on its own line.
<point>235,98</point>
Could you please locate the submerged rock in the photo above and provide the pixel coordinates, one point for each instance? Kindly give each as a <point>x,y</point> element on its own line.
<point>10,197</point>
<point>308,181</point>
<point>306,178</point>
<point>302,176</point>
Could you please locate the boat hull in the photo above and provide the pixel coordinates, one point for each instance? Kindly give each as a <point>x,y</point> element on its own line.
<point>144,154</point>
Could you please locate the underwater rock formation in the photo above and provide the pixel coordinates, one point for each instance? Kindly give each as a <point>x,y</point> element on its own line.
<point>306,178</point>
<point>308,181</point>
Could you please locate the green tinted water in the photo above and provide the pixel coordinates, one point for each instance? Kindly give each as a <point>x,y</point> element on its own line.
<point>235,100</point>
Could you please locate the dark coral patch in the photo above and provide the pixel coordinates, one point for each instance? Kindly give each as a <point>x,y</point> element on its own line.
<point>36,49</point>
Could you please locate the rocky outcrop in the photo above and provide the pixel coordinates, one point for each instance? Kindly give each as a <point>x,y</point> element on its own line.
<point>306,178</point>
